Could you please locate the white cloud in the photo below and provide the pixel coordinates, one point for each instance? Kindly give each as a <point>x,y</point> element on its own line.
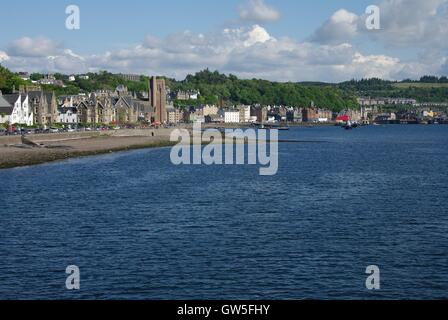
<point>43,54</point>
<point>33,47</point>
<point>404,23</point>
<point>3,56</point>
<point>340,28</point>
<point>258,11</point>
<point>413,23</point>
<point>249,52</point>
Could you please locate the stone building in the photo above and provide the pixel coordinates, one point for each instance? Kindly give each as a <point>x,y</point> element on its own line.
<point>119,108</point>
<point>157,93</point>
<point>174,115</point>
<point>260,112</point>
<point>44,106</point>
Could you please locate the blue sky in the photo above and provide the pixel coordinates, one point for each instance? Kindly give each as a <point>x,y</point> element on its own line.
<point>106,24</point>
<point>304,40</point>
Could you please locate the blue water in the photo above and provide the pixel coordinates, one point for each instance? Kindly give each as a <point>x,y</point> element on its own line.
<point>140,228</point>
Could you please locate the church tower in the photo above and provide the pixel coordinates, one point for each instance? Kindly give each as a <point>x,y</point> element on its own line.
<point>157,94</point>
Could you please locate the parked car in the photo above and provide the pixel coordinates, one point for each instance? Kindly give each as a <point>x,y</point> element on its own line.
<point>53,130</point>
<point>26,131</point>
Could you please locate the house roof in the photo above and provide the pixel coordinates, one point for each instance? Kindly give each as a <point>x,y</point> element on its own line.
<point>6,110</point>
<point>11,98</point>
<point>4,103</point>
<point>34,94</point>
<point>66,109</point>
<point>343,118</point>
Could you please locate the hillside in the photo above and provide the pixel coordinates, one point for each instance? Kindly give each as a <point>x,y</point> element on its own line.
<point>425,90</point>
<point>224,89</point>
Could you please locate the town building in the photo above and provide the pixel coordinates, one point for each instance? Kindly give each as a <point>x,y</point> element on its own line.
<point>5,110</point>
<point>261,113</point>
<point>174,115</point>
<point>44,106</point>
<point>368,101</point>
<point>231,116</point>
<point>244,113</point>
<point>194,114</point>
<point>24,76</point>
<point>209,110</point>
<point>130,77</point>
<point>68,115</point>
<point>355,115</point>
<point>214,118</point>
<point>50,79</point>
<point>21,113</point>
<point>157,93</point>
<point>187,95</point>
<point>294,115</point>
<point>117,107</point>
<point>310,115</point>
<point>313,114</point>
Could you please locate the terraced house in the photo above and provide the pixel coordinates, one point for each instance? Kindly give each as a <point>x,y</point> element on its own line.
<point>113,109</point>
<point>44,106</point>
<point>19,110</point>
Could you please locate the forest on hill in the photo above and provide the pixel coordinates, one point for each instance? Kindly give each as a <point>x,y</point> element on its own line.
<point>215,87</point>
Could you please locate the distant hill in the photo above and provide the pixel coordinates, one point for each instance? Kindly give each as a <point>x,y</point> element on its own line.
<point>427,89</point>
<point>224,89</point>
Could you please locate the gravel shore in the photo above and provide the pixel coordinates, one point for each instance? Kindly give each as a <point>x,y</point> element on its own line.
<point>63,146</point>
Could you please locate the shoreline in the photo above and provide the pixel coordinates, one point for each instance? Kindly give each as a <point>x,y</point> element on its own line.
<point>49,157</point>
<point>54,157</point>
<point>63,146</point>
<point>59,147</point>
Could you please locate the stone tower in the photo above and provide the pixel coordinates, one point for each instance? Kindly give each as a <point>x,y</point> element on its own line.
<point>157,94</point>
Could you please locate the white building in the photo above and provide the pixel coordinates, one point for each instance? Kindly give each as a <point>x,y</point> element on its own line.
<point>253,119</point>
<point>71,78</point>
<point>21,111</point>
<point>68,115</point>
<point>194,96</point>
<point>244,113</point>
<point>232,116</point>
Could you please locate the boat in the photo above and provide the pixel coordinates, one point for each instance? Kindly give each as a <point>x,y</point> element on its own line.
<point>271,126</point>
<point>348,125</point>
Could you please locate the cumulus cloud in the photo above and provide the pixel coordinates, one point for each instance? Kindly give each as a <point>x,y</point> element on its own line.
<point>248,52</point>
<point>259,12</point>
<point>3,56</point>
<point>340,28</point>
<point>33,47</point>
<point>404,23</point>
<point>413,23</point>
<point>43,54</point>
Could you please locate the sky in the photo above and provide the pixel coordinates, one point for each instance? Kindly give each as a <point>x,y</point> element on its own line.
<point>281,40</point>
